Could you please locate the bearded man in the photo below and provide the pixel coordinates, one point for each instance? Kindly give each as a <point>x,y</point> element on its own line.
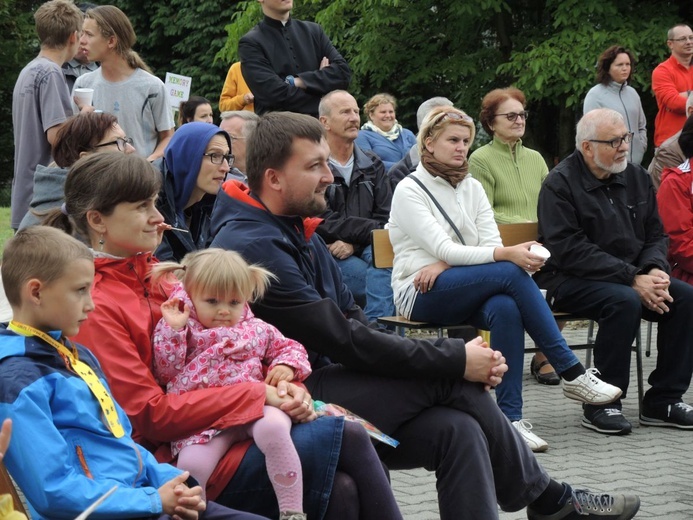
<point>598,217</point>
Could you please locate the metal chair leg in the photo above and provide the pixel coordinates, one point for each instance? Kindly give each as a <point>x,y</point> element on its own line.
<point>638,367</point>
<point>590,341</point>
<point>648,345</point>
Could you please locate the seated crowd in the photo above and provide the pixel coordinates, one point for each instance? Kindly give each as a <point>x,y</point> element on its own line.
<point>191,299</point>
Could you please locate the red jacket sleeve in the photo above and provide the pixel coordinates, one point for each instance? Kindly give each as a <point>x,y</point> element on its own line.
<point>675,198</point>
<point>118,333</point>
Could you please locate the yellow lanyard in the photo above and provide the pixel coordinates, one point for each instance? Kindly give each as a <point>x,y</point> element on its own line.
<point>82,370</point>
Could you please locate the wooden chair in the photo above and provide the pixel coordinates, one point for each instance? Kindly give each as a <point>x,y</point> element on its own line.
<point>513,234</point>
<point>383,256</point>
<point>7,487</point>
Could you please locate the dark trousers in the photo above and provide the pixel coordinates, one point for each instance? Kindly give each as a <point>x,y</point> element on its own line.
<point>618,311</point>
<point>218,512</point>
<point>451,427</point>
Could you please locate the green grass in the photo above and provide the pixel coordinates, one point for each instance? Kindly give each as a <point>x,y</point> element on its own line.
<point>5,229</point>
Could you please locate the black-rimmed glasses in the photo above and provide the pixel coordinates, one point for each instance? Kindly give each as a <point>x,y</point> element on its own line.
<point>120,142</point>
<point>616,142</point>
<point>218,158</point>
<point>512,116</point>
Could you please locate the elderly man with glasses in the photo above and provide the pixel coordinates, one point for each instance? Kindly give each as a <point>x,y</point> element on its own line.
<point>598,217</point>
<point>672,82</point>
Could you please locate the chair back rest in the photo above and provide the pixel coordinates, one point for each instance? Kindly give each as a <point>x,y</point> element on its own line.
<point>513,234</point>
<point>383,255</point>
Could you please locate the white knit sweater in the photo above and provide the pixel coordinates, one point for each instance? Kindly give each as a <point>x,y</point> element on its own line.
<point>421,236</point>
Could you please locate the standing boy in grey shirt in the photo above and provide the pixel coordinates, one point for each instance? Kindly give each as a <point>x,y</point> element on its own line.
<point>41,100</point>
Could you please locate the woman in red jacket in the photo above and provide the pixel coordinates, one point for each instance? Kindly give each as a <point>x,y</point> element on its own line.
<point>110,201</point>
<point>675,202</point>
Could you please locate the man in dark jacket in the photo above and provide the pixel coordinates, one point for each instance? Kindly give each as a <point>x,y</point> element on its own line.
<point>358,201</point>
<point>432,397</point>
<point>290,64</point>
<point>598,218</point>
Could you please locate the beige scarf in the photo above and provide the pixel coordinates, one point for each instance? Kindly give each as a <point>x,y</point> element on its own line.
<point>436,168</point>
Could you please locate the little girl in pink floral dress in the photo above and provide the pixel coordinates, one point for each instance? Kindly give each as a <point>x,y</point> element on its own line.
<point>208,337</point>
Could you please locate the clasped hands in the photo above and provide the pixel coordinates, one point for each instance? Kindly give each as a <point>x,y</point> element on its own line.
<point>653,290</point>
<point>484,365</point>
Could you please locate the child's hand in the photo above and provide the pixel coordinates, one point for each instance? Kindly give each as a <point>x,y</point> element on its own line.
<point>170,311</point>
<point>280,373</point>
<point>272,398</point>
<point>180,501</point>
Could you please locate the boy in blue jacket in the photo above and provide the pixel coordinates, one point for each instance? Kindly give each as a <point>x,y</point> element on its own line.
<point>71,442</point>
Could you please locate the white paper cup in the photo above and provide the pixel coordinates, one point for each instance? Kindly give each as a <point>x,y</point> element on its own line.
<point>85,95</point>
<point>543,292</point>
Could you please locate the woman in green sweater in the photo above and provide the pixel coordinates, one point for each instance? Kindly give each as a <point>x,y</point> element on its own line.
<point>511,176</point>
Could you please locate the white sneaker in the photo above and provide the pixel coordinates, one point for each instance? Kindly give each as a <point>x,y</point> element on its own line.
<point>535,443</point>
<point>588,388</point>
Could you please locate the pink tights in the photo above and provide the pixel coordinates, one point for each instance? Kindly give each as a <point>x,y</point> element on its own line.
<point>271,434</point>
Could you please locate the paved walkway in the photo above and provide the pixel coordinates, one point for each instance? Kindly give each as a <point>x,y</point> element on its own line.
<point>655,463</point>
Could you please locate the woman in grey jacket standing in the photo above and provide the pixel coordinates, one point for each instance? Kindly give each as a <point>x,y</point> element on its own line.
<point>614,72</point>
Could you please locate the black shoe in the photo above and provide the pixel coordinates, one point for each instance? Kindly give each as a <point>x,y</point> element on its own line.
<point>549,378</point>
<point>583,504</point>
<point>606,420</point>
<point>675,415</point>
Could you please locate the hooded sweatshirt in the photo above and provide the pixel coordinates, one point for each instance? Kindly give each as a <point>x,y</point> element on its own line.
<point>182,161</point>
<point>49,193</point>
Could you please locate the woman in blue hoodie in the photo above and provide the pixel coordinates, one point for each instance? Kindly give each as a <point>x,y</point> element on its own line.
<point>196,162</point>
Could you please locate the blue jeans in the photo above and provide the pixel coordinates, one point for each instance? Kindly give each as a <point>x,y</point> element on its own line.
<point>502,298</point>
<point>369,284</point>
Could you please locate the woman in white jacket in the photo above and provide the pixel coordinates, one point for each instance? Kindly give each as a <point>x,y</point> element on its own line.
<point>463,273</point>
<point>614,72</point>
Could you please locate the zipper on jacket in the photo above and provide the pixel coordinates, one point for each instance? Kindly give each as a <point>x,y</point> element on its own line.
<point>83,462</point>
<point>608,194</point>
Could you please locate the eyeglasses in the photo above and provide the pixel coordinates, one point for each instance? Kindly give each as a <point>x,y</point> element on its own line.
<point>682,39</point>
<point>512,116</point>
<point>120,142</point>
<point>218,158</point>
<point>615,143</point>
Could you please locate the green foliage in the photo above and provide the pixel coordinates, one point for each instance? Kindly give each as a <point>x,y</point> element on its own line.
<point>18,46</point>
<point>411,49</point>
<point>183,37</point>
<point>561,67</point>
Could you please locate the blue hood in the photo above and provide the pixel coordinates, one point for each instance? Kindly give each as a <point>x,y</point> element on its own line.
<point>183,157</point>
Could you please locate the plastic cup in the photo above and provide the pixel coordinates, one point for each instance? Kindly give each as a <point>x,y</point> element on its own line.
<point>85,95</point>
<point>543,292</point>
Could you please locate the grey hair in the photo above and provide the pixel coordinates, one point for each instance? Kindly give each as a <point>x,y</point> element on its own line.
<point>250,118</point>
<point>324,108</point>
<point>587,126</point>
<point>430,104</point>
